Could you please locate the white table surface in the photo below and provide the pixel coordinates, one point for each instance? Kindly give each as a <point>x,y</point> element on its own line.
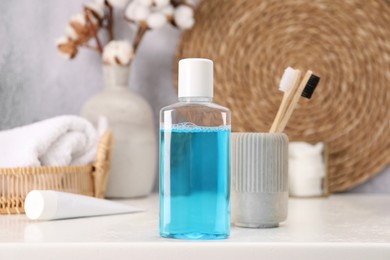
<point>339,227</point>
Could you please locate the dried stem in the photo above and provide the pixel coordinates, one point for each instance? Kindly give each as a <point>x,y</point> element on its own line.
<point>94,33</point>
<point>129,20</point>
<point>142,29</point>
<point>110,20</point>
<point>171,20</point>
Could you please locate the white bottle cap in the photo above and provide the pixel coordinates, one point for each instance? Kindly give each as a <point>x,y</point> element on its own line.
<point>196,78</point>
<point>40,204</point>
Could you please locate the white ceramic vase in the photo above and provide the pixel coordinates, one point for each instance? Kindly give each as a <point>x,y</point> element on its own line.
<point>130,118</point>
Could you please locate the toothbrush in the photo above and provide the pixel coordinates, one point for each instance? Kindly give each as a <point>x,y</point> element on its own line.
<point>305,89</point>
<point>288,84</point>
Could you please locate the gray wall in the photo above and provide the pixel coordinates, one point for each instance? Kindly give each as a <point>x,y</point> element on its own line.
<point>36,83</point>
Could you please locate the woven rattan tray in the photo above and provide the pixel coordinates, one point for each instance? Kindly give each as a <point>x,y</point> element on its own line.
<point>347,43</point>
<point>88,180</point>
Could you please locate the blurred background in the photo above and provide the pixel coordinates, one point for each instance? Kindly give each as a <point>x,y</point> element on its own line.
<point>35,83</point>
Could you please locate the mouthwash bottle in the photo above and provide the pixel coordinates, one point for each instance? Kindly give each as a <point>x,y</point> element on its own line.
<point>195,159</point>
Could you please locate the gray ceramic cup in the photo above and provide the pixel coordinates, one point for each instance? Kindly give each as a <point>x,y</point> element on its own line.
<point>259,184</point>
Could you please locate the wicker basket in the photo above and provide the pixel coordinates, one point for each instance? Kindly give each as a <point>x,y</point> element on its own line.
<point>88,180</point>
<point>347,43</point>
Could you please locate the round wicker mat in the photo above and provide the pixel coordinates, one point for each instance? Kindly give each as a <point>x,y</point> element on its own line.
<point>346,43</point>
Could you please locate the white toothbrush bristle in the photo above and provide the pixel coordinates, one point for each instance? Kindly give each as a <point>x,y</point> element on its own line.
<point>287,79</point>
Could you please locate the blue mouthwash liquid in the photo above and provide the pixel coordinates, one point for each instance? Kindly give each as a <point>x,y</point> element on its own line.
<point>194,182</point>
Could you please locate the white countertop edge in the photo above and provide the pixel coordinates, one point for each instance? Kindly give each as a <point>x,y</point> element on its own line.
<point>196,250</point>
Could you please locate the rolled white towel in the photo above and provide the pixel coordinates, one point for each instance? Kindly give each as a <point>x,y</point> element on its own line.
<point>59,141</point>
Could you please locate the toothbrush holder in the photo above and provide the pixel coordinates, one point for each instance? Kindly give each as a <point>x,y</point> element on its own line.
<point>259,187</point>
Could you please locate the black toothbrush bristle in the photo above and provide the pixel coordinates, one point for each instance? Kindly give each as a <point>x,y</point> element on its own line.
<point>310,86</point>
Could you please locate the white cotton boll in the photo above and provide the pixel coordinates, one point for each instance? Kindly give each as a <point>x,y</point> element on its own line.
<point>61,40</point>
<point>186,24</point>
<point>161,3</point>
<point>118,3</point>
<point>109,56</point>
<point>130,11</point>
<point>137,12</point>
<point>96,8</point>
<point>147,3</point>
<point>156,20</point>
<point>121,50</point>
<point>168,10</point>
<point>184,12</point>
<point>78,18</point>
<point>184,17</point>
<point>71,33</point>
<point>99,2</point>
<point>141,12</point>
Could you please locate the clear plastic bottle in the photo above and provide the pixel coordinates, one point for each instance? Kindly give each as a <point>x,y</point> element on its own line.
<point>195,159</point>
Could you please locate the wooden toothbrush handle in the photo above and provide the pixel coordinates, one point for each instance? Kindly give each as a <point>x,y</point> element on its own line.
<point>287,97</point>
<point>281,111</point>
<point>294,101</point>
